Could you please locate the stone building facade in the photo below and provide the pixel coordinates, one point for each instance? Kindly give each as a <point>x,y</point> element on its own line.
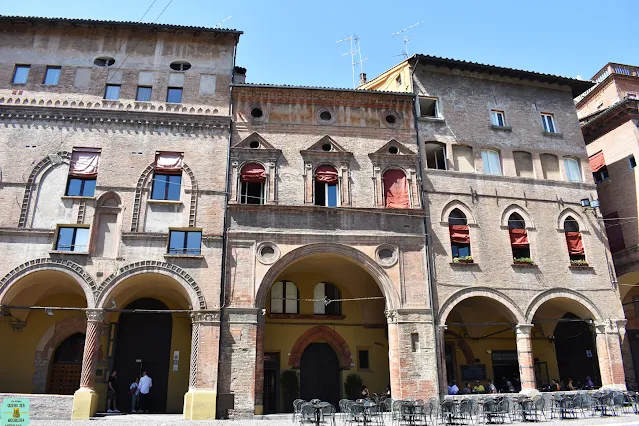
<point>161,214</point>
<point>609,117</point>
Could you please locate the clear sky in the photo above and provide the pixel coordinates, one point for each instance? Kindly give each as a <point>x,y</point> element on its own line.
<point>294,42</point>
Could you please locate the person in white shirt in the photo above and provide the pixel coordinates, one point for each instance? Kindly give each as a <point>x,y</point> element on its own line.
<point>144,387</point>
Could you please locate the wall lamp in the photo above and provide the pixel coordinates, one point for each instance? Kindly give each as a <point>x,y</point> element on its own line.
<point>587,203</point>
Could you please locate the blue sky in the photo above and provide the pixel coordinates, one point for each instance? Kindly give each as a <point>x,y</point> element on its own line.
<point>294,42</point>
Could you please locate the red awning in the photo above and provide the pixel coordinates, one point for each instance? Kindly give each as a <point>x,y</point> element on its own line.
<point>519,238</point>
<point>459,234</point>
<point>396,190</point>
<point>253,172</point>
<point>597,161</point>
<point>84,163</point>
<point>326,174</point>
<point>169,162</point>
<point>575,245</point>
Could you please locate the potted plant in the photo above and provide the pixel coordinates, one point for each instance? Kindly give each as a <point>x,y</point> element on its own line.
<point>463,259</point>
<point>290,383</point>
<point>522,261</point>
<point>353,386</point>
<point>578,262</point>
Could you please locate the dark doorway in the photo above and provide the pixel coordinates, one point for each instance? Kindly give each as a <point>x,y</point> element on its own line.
<point>64,377</point>
<point>449,350</point>
<point>633,336</point>
<point>319,374</point>
<point>505,368</point>
<point>144,343</point>
<point>576,350</point>
<point>271,382</point>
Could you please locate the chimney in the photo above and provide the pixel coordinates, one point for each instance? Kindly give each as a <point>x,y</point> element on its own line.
<point>362,78</point>
<point>239,75</point>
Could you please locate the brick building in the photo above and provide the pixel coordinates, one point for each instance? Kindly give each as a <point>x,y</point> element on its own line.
<point>228,237</point>
<point>608,115</point>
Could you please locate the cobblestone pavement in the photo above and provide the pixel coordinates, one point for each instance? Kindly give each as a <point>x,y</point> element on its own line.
<point>170,420</point>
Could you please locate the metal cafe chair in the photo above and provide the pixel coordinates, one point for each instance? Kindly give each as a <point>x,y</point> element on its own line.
<point>328,414</point>
<point>307,413</point>
<point>297,404</point>
<point>357,414</point>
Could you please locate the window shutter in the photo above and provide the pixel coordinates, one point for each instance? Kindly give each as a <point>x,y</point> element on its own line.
<point>575,245</point>
<point>319,308</point>
<point>518,238</point>
<point>277,293</point>
<point>459,234</point>
<point>291,298</point>
<point>597,161</point>
<point>84,163</point>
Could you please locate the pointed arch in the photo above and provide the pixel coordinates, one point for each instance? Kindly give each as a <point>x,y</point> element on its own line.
<point>144,182</point>
<point>321,333</point>
<point>456,204</point>
<point>578,218</point>
<point>486,292</point>
<point>564,293</point>
<point>514,208</point>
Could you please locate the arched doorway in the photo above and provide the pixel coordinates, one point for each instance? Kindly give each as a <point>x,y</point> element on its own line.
<point>576,350</point>
<point>144,343</point>
<point>66,368</point>
<point>320,374</point>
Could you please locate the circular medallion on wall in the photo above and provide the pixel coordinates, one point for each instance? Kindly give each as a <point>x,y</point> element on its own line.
<point>386,255</point>
<point>267,253</point>
<point>391,119</point>
<point>325,116</point>
<point>256,113</point>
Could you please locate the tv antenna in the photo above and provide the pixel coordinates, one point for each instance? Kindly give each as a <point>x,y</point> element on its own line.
<point>356,55</point>
<point>221,22</point>
<point>406,39</point>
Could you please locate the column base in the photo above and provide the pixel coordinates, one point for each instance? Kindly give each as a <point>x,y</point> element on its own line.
<point>85,404</point>
<point>200,404</point>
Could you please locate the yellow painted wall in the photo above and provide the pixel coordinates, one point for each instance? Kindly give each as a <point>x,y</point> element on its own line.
<point>179,380</point>
<point>387,81</point>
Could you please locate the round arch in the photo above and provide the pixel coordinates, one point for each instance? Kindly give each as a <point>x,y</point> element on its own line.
<point>321,333</point>
<point>369,265</point>
<point>396,167</point>
<point>514,208</point>
<point>67,267</point>
<point>456,204</point>
<point>51,339</point>
<point>105,200</point>
<point>570,212</point>
<point>564,293</point>
<point>488,293</point>
<point>188,283</point>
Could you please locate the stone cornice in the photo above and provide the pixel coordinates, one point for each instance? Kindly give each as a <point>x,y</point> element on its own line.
<point>128,118</point>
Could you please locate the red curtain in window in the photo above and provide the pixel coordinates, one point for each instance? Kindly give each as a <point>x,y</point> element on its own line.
<point>326,174</point>
<point>396,190</point>
<point>575,245</point>
<point>518,238</point>
<point>253,172</point>
<point>169,162</point>
<point>459,234</point>
<point>597,161</point>
<point>84,163</point>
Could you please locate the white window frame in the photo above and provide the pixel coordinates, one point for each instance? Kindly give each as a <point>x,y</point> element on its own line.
<point>443,149</point>
<point>546,119</point>
<point>487,165</point>
<point>244,192</point>
<point>569,178</point>
<point>419,107</point>
<point>338,194</point>
<point>494,118</point>
<point>281,294</point>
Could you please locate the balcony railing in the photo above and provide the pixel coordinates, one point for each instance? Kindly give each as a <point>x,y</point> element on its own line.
<point>606,71</point>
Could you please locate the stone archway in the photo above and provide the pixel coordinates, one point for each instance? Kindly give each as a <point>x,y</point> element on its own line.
<point>488,293</point>
<point>321,333</point>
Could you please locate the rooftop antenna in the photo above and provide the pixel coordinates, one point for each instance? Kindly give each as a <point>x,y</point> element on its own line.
<point>406,39</point>
<point>221,22</point>
<point>355,53</point>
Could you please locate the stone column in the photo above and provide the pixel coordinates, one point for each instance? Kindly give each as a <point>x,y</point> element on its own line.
<point>393,355</point>
<point>443,372</point>
<point>85,399</point>
<point>525,357</point>
<point>200,400</point>
<point>259,366</point>
<point>609,353</point>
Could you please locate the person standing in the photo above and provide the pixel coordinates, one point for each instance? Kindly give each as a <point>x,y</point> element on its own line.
<point>134,391</point>
<point>112,393</point>
<point>491,387</point>
<point>144,387</point>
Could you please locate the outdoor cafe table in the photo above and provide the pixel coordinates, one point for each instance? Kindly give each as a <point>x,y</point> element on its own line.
<point>410,408</point>
<point>367,405</point>
<point>318,411</point>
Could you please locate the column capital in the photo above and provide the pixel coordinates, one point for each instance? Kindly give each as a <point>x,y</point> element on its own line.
<point>95,315</point>
<point>207,317</point>
<point>611,326</point>
<point>391,315</point>
<point>524,328</point>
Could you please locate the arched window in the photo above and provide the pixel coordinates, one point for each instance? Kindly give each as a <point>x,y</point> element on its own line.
<point>459,236</point>
<point>326,186</point>
<point>106,241</point>
<point>328,291</point>
<point>518,237</point>
<point>252,181</point>
<point>396,190</point>
<point>284,298</point>
<point>574,242</point>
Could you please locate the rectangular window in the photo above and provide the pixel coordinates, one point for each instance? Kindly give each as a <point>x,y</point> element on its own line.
<point>497,118</point>
<point>601,175</point>
<point>428,107</point>
<point>326,194</point>
<point>414,342</point>
<point>143,94</point>
<point>166,187</point>
<point>460,249</point>
<point>550,166</point>
<point>362,358</point>
<point>523,164</point>
<point>20,74</point>
<point>185,242</point>
<point>252,193</point>
<point>51,76</point>
<point>436,155</point>
<point>632,163</point>
<point>548,121</point>
<point>463,158</point>
<point>284,298</point>
<point>112,92</point>
<point>174,95</point>
<point>492,163</point>
<point>573,171</point>
<point>78,187</point>
<point>73,239</point>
